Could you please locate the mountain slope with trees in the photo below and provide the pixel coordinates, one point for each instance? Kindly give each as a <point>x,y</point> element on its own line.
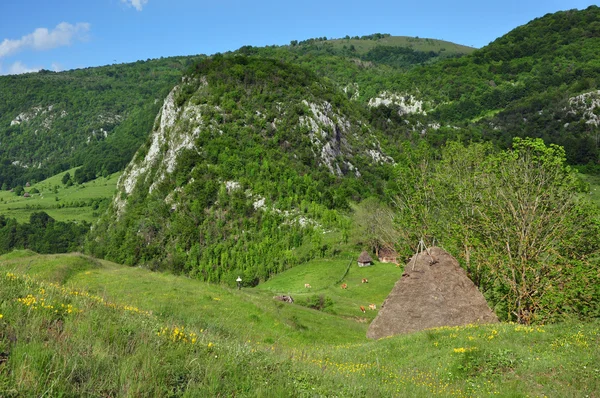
<point>249,158</point>
<point>93,117</point>
<point>98,117</point>
<point>539,80</point>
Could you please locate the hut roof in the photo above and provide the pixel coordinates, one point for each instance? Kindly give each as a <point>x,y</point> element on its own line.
<point>364,257</point>
<point>387,252</point>
<point>433,291</point>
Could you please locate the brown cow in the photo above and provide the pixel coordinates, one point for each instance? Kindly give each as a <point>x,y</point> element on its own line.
<point>365,280</point>
<point>344,286</point>
<point>362,309</point>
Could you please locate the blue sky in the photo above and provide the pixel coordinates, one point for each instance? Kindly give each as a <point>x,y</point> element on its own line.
<point>67,34</point>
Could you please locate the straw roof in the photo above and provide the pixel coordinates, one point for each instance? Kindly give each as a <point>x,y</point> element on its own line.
<point>364,258</point>
<point>387,252</point>
<point>433,291</point>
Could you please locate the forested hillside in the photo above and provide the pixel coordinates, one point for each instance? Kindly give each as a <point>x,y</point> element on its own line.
<point>93,117</point>
<point>249,158</point>
<point>98,117</point>
<point>539,80</point>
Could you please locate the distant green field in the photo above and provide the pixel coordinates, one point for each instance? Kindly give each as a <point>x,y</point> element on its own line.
<point>324,277</point>
<point>418,44</point>
<point>74,203</point>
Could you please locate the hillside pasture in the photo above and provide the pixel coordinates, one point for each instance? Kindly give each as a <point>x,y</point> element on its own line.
<point>72,325</point>
<point>79,202</point>
<point>415,43</point>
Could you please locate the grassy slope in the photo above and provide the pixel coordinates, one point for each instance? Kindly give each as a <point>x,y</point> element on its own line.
<point>249,345</point>
<point>20,208</point>
<point>594,182</point>
<point>418,44</point>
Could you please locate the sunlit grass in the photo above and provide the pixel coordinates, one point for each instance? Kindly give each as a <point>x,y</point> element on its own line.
<point>73,325</point>
<point>60,202</point>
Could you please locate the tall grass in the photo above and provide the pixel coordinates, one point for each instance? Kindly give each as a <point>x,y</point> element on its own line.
<point>58,338</point>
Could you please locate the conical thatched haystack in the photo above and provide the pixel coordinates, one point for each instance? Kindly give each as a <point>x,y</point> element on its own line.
<point>433,291</point>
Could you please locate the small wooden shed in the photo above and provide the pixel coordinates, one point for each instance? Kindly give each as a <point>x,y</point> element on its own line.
<point>364,260</point>
<point>388,255</point>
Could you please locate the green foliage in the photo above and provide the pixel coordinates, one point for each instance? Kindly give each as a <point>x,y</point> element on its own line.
<point>253,138</point>
<point>66,178</point>
<point>42,234</point>
<point>96,117</point>
<point>374,225</point>
<point>516,220</point>
<point>317,301</point>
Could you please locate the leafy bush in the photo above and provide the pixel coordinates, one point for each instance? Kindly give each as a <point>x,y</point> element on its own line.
<point>316,301</point>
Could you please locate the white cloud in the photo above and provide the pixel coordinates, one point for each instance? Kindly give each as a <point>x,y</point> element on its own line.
<point>17,68</point>
<point>56,67</point>
<point>137,4</point>
<point>43,39</point>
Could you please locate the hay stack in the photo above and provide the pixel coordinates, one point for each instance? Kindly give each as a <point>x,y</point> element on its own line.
<point>433,291</point>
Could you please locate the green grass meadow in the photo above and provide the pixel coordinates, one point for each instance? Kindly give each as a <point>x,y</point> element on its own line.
<point>416,43</point>
<point>74,203</point>
<point>594,186</point>
<point>72,325</point>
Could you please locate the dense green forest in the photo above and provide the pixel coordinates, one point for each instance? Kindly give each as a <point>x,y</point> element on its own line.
<point>41,234</point>
<point>98,117</point>
<point>92,117</point>
<point>254,191</point>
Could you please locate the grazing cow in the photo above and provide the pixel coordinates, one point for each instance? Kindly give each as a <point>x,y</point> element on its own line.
<point>344,286</point>
<point>362,309</point>
<point>307,285</point>
<point>285,299</point>
<point>365,280</point>
<point>372,307</point>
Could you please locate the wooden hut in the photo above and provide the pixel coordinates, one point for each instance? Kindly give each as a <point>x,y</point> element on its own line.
<point>364,260</point>
<point>388,255</point>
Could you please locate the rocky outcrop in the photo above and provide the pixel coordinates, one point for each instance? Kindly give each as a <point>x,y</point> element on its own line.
<point>166,143</point>
<point>406,103</point>
<point>588,105</point>
<point>335,140</point>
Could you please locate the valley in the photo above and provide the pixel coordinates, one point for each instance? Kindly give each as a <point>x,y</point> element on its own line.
<point>190,225</point>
